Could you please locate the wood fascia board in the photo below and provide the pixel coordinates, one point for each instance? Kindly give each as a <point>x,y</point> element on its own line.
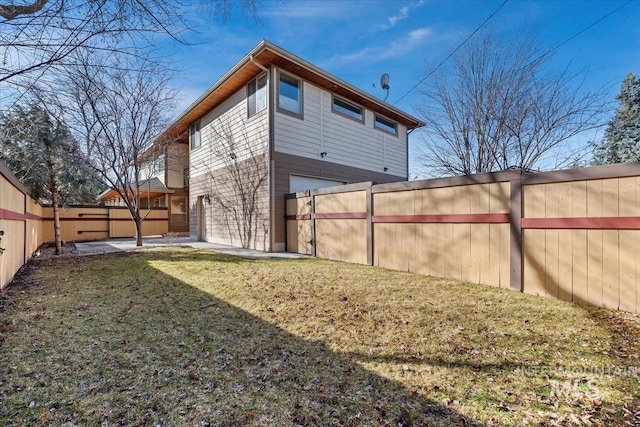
<point>267,54</point>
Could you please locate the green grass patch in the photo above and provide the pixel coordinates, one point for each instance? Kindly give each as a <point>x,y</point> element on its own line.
<point>195,338</point>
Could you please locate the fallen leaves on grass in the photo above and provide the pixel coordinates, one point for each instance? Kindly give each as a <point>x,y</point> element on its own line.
<point>184,337</point>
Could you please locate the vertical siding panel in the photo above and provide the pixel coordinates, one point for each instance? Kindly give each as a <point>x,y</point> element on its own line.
<point>420,262</point>
<point>565,244</point>
<point>594,244</point>
<point>480,253</point>
<point>534,241</point>
<point>505,255</point>
<point>579,242</point>
<point>552,200</point>
<point>628,245</point>
<point>610,247</point>
<point>492,269</point>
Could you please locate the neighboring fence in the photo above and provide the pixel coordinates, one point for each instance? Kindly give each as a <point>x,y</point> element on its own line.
<point>25,224</point>
<point>572,235</point>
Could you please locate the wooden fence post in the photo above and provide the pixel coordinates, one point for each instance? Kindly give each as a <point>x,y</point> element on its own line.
<point>369,208</point>
<point>515,222</point>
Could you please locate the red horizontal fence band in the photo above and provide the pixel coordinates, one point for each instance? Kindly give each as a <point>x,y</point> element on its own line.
<point>15,216</point>
<point>614,222</point>
<point>102,219</point>
<point>342,215</point>
<point>495,218</point>
<point>300,217</point>
<point>34,217</point>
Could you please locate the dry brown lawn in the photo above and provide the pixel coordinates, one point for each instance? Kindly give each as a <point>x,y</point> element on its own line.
<point>192,338</point>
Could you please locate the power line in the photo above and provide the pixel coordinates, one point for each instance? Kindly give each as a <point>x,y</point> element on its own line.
<point>454,51</point>
<point>588,27</point>
<point>581,31</point>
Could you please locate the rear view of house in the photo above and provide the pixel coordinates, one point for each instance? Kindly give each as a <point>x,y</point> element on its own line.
<point>275,124</point>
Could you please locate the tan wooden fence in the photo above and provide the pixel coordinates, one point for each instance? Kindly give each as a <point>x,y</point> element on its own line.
<point>572,235</point>
<point>25,224</point>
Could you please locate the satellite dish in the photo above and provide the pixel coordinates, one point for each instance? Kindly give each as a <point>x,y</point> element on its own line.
<point>384,83</point>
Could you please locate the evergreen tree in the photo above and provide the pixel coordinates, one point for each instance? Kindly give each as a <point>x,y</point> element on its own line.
<point>42,153</point>
<point>622,137</point>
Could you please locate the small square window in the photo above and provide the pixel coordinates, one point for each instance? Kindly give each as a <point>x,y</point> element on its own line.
<point>290,94</point>
<point>386,125</point>
<point>195,135</point>
<point>348,109</point>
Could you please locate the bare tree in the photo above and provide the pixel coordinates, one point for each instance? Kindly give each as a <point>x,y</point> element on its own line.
<point>237,177</point>
<point>37,34</point>
<point>123,109</point>
<point>499,105</point>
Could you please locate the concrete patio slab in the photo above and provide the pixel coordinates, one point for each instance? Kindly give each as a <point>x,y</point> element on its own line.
<point>128,244</point>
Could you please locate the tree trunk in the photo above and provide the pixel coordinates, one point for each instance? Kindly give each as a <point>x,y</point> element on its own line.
<point>53,188</point>
<point>138,220</point>
<point>56,217</point>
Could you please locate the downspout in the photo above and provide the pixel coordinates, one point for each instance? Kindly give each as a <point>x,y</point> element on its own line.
<point>407,151</point>
<point>270,167</point>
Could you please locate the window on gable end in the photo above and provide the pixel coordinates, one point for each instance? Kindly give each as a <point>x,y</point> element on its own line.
<point>194,135</point>
<point>290,94</point>
<point>257,95</point>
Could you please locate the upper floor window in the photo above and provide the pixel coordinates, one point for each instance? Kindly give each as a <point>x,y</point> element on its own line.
<point>257,95</point>
<point>348,109</point>
<point>195,135</point>
<point>386,125</point>
<point>158,164</point>
<point>290,94</point>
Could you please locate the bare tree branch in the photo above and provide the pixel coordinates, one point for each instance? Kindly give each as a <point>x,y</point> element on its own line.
<point>11,11</point>
<point>494,108</point>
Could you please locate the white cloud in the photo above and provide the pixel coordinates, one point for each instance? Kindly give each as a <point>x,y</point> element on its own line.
<point>402,14</point>
<point>394,49</point>
<point>308,9</point>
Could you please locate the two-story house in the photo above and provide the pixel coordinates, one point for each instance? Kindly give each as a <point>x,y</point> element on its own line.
<point>276,124</point>
<point>164,182</point>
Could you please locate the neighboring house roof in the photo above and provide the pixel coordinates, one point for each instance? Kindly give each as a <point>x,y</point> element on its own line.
<point>151,186</point>
<point>266,53</point>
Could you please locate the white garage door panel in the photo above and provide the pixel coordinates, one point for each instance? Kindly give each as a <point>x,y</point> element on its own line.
<point>303,183</point>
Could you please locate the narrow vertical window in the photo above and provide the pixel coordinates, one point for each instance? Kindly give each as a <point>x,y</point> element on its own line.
<point>290,94</point>
<point>195,135</point>
<point>257,95</point>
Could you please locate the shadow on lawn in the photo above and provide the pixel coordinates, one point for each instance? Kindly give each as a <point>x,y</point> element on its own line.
<point>159,351</point>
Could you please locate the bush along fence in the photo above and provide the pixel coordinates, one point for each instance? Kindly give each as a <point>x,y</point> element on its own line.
<point>25,224</point>
<point>572,235</point>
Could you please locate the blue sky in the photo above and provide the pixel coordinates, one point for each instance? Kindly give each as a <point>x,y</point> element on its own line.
<point>358,41</point>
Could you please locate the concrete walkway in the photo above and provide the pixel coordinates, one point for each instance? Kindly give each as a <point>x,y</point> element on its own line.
<point>127,244</point>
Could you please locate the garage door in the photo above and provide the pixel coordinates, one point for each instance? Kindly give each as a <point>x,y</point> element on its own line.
<point>299,183</point>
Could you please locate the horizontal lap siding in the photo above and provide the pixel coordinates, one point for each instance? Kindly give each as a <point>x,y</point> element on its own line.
<point>345,141</point>
<point>231,140</point>
<point>593,266</point>
<point>225,218</point>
